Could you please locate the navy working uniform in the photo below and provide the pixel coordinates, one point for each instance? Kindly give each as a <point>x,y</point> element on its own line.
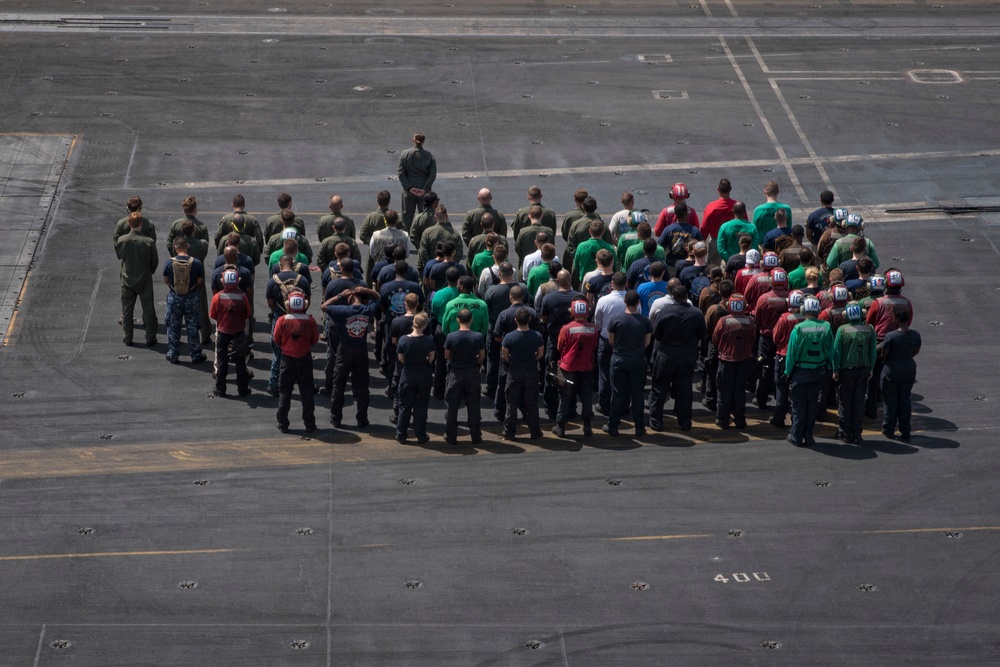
<point>183,302</point>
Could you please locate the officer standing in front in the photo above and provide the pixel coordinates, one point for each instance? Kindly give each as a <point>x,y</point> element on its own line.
<point>417,170</point>
<point>184,275</point>
<point>139,263</point>
<point>809,358</point>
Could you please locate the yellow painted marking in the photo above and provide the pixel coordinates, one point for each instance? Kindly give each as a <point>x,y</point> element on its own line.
<point>642,538</point>
<point>13,316</point>
<point>112,554</point>
<point>329,447</point>
<point>924,530</point>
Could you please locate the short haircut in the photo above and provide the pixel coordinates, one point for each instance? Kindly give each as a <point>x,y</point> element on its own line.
<point>291,246</point>
<point>771,189</point>
<point>180,242</point>
<point>401,267</point>
<point>781,215</point>
<point>430,199</point>
<point>239,201</point>
<point>499,253</point>
<point>725,187</point>
<point>441,209</point>
<point>902,314</point>
<point>866,265</point>
<point>506,269</point>
<point>679,293</point>
<point>618,281</point>
<point>631,298</point>
<point>548,252</point>
<point>419,138</point>
<point>464,316</point>
<point>589,205</point>
<point>604,257</point>
<point>383,198</point>
<point>726,287</point>
<point>596,228</point>
<point>535,212</point>
<point>579,196</point>
<point>287,217</point>
<point>347,266</point>
<point>806,256</point>
<point>342,251</point>
<point>399,252</point>
<point>649,247</point>
<point>859,245</point>
<point>681,210</point>
<point>516,294</point>
<point>534,191</point>
<point>627,198</point>
<point>554,268</point>
<point>798,231</point>
<point>339,223</point>
<point>284,199</point>
<point>391,218</point>
<point>452,274</point>
<point>643,230</point>
<point>521,316</point>
<point>657,269</point>
<point>543,237</point>
<point>826,198</point>
<point>466,284</point>
<point>412,301</point>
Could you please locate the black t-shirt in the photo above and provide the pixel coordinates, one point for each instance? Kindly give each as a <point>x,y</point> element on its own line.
<point>898,348</point>
<point>436,274</point>
<point>497,298</point>
<point>464,347</point>
<point>850,269</point>
<point>630,333</point>
<point>679,326</point>
<point>415,350</point>
<point>555,308</point>
<point>401,326</point>
<point>335,287</point>
<point>522,346</point>
<point>599,286</point>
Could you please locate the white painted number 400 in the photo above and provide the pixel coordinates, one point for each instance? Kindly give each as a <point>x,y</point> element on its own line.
<point>742,577</point>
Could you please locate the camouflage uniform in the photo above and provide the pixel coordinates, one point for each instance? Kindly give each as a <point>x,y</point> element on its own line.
<point>186,307</point>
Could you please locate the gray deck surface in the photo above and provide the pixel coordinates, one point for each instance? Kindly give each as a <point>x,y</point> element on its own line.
<point>122,479</point>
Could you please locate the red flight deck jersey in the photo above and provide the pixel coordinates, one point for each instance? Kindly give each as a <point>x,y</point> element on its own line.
<point>782,331</point>
<point>230,309</point>
<point>716,214</point>
<point>880,315</point>
<point>735,336</point>
<point>743,277</point>
<point>769,309</point>
<point>576,345</point>
<point>295,334</point>
<point>757,286</point>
